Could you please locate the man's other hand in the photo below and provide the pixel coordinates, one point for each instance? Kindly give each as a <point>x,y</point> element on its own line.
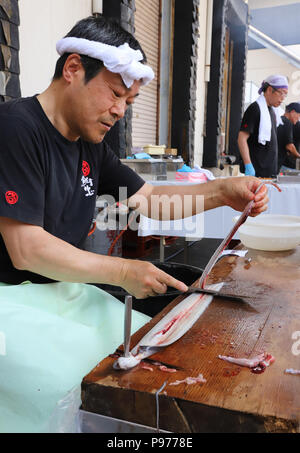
<point>142,279</point>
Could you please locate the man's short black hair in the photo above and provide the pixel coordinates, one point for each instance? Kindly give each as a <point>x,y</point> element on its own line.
<point>293,106</point>
<point>99,29</point>
<point>265,86</point>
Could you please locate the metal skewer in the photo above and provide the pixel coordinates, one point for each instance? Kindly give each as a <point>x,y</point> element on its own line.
<point>127,325</point>
<point>225,242</point>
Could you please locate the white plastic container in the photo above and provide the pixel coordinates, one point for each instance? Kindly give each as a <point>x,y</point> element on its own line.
<point>270,232</point>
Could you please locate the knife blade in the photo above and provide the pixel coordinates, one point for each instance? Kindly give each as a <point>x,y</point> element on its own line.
<point>229,297</point>
<point>192,290</point>
<point>127,325</point>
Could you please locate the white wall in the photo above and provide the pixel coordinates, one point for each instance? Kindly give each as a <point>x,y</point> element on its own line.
<point>256,4</point>
<point>262,62</point>
<point>43,22</point>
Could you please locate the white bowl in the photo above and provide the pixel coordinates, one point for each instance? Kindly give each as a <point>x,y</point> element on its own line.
<point>270,232</point>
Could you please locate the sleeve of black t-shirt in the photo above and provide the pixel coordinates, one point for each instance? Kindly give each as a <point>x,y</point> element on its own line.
<point>288,135</point>
<point>22,179</point>
<point>251,118</point>
<point>116,178</point>
<point>296,135</point>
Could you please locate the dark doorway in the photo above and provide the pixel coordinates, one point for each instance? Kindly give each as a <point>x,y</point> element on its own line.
<point>181,76</point>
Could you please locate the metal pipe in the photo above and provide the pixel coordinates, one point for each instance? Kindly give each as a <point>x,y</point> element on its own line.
<point>97,7</point>
<point>127,325</point>
<point>162,243</point>
<point>274,46</point>
<point>209,26</point>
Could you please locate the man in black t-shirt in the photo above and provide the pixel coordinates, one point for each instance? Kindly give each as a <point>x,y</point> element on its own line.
<point>287,151</point>
<point>53,163</point>
<point>257,139</point>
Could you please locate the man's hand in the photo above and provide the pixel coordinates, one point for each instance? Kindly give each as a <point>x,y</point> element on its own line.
<point>237,192</point>
<point>142,279</point>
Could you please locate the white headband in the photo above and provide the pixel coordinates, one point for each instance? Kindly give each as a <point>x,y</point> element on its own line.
<point>122,60</point>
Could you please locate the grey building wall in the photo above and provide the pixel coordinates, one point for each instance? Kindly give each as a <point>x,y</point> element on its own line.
<point>193,87</point>
<point>119,137</point>
<point>9,48</point>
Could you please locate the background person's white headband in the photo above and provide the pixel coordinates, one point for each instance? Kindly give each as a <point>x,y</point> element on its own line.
<point>276,81</point>
<point>122,60</point>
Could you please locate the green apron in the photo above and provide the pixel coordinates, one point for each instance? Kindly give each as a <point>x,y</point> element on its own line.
<point>51,336</point>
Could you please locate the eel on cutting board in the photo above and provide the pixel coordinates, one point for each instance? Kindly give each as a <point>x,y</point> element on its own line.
<point>169,329</point>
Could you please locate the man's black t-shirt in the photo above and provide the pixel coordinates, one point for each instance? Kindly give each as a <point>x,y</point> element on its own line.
<point>290,160</point>
<point>296,135</point>
<point>49,181</point>
<point>285,137</point>
<point>263,157</point>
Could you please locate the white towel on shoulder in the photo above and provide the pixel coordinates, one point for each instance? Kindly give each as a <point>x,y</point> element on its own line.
<point>265,125</point>
<point>279,112</point>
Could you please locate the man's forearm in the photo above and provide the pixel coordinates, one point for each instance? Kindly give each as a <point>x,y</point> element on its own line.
<point>244,148</point>
<point>33,249</point>
<point>292,149</point>
<point>177,201</point>
<point>47,255</point>
<point>192,199</point>
<point>233,192</point>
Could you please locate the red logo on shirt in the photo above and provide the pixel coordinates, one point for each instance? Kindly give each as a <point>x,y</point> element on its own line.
<point>85,168</point>
<point>11,197</point>
<point>245,126</point>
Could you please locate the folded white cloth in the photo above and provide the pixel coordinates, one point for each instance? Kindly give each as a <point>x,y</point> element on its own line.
<point>265,125</point>
<point>279,112</point>
<point>122,60</point>
<point>208,173</point>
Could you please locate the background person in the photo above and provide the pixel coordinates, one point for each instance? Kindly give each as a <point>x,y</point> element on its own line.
<point>287,151</point>
<point>257,139</point>
<point>296,135</point>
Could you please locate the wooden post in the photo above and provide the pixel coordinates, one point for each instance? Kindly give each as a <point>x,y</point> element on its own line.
<point>9,50</point>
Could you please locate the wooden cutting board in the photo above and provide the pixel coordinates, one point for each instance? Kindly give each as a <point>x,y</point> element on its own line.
<point>233,399</point>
